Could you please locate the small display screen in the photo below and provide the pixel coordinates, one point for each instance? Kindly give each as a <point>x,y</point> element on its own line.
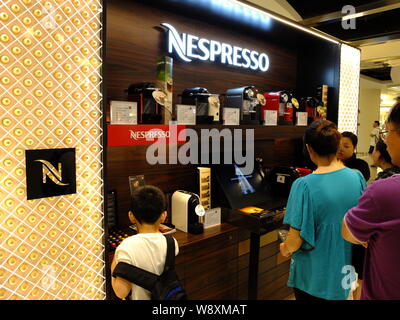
<point>241,190</point>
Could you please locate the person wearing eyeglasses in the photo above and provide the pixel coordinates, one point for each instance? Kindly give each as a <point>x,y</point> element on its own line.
<point>375,223</point>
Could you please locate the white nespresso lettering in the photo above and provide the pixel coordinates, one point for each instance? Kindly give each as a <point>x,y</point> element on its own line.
<point>203,48</point>
<point>215,49</point>
<point>189,47</point>
<point>149,135</point>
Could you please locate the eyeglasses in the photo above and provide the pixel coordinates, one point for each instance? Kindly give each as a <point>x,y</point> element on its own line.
<point>385,132</point>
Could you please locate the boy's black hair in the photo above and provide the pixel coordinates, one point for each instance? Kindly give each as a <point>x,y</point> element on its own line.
<point>394,115</point>
<point>148,203</point>
<point>382,148</point>
<point>377,122</point>
<point>323,137</point>
<point>351,136</point>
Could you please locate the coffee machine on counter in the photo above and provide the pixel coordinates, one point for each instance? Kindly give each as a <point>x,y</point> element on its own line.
<point>310,105</point>
<point>248,100</point>
<point>187,212</point>
<point>149,99</point>
<point>207,104</point>
<point>282,102</point>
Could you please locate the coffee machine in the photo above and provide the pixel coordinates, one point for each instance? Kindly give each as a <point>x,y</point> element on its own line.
<point>207,104</point>
<point>150,100</point>
<point>248,100</point>
<point>281,102</point>
<point>187,212</point>
<point>310,105</point>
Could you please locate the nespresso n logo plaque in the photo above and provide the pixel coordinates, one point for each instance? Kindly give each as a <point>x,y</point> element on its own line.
<point>50,172</point>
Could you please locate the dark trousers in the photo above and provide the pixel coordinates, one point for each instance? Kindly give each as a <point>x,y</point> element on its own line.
<point>301,295</point>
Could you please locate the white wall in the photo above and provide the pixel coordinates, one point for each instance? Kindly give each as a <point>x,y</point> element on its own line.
<point>369,105</point>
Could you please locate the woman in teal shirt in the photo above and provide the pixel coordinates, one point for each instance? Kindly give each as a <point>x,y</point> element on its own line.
<point>320,257</point>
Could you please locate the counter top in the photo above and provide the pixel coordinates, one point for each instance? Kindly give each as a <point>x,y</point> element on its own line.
<point>187,239</point>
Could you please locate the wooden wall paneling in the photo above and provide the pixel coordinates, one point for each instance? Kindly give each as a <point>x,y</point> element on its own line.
<point>276,289</point>
<point>210,269</point>
<point>319,63</point>
<point>134,41</point>
<point>273,274</point>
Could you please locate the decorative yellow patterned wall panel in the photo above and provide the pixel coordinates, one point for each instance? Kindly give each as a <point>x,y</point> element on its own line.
<point>50,77</point>
<point>349,88</point>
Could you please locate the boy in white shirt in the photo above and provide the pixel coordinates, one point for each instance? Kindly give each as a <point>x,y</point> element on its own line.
<point>148,248</point>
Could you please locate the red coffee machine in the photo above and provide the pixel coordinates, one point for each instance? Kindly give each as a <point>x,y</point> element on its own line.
<point>281,102</point>
<point>310,105</point>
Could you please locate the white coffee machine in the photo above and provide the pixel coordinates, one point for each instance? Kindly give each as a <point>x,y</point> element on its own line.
<point>187,212</point>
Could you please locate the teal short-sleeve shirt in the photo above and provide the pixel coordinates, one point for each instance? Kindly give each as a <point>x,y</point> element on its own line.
<point>316,206</point>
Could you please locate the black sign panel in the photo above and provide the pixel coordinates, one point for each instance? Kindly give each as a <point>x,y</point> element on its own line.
<point>50,172</point>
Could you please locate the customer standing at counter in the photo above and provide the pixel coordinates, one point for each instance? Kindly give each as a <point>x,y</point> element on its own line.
<point>347,155</point>
<point>315,209</point>
<point>376,221</point>
<point>147,249</point>
<point>382,159</point>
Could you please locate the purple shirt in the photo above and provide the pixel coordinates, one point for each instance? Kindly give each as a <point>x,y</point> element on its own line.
<point>376,219</point>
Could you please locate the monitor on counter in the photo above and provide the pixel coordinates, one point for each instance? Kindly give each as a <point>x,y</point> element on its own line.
<point>241,190</point>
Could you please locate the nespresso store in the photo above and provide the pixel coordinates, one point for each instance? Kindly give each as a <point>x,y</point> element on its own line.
<point>88,87</point>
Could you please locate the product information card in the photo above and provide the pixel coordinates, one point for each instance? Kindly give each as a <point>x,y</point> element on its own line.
<point>212,218</point>
<point>231,116</point>
<point>270,117</point>
<point>123,112</point>
<point>186,114</point>
<point>302,118</point>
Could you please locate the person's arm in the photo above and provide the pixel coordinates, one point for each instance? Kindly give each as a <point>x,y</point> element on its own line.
<point>121,286</point>
<point>363,221</point>
<point>292,243</point>
<point>348,236</point>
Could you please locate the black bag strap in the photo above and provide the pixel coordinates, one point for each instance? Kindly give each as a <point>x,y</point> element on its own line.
<point>136,275</point>
<point>141,277</point>
<point>170,257</point>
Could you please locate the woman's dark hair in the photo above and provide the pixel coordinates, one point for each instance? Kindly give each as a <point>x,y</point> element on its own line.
<point>382,148</point>
<point>148,203</point>
<point>323,137</point>
<point>351,136</point>
<point>394,115</point>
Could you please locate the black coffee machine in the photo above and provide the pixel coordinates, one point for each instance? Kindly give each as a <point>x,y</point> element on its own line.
<point>247,99</point>
<point>149,100</point>
<point>207,104</point>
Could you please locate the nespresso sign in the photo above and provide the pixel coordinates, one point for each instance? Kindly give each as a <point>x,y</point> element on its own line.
<point>189,47</point>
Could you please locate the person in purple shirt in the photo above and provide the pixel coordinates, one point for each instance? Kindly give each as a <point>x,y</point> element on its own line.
<point>375,223</point>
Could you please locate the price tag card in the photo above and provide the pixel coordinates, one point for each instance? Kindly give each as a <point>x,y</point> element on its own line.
<point>212,218</point>
<point>231,116</point>
<point>270,117</point>
<point>123,112</point>
<point>302,118</point>
<point>186,114</point>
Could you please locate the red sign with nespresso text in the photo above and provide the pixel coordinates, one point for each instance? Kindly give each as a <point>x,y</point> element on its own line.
<point>128,135</point>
